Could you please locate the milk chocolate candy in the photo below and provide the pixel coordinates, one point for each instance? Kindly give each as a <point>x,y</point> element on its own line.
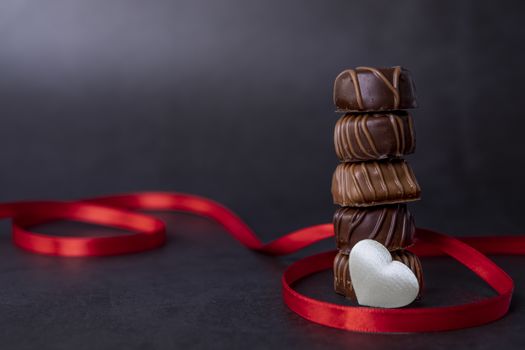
<point>391,225</point>
<point>374,89</point>
<point>360,137</point>
<point>343,282</point>
<point>374,183</point>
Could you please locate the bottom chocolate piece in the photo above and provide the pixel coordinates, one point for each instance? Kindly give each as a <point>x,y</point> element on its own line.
<point>343,283</point>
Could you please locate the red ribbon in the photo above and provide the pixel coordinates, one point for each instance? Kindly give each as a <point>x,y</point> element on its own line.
<point>149,232</point>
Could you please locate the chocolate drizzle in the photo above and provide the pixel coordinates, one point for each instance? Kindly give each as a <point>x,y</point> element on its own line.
<point>359,137</point>
<point>342,281</point>
<point>357,88</point>
<point>374,183</point>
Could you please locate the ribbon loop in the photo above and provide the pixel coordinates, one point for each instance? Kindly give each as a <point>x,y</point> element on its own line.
<point>149,232</point>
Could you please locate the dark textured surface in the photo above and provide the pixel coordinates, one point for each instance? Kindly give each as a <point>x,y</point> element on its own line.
<point>202,290</point>
<point>233,100</point>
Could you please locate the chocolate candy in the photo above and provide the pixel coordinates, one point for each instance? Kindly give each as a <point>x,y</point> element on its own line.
<point>359,137</point>
<point>373,183</point>
<point>343,283</point>
<point>391,225</point>
<point>374,89</point>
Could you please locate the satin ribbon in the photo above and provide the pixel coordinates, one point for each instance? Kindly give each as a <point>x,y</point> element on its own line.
<point>148,232</point>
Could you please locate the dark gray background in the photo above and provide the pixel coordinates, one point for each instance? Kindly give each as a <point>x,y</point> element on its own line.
<point>232,100</point>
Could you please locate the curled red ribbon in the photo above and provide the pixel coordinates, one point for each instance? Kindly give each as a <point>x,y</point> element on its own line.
<point>149,232</point>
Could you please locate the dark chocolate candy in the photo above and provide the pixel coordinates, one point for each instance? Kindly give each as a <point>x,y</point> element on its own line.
<point>374,89</point>
<point>391,225</point>
<point>359,137</point>
<point>343,283</point>
<point>374,183</point>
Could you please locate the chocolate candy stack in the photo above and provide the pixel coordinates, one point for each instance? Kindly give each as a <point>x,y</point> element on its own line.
<point>373,183</point>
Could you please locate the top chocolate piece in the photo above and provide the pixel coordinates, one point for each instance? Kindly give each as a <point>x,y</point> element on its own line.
<point>374,89</point>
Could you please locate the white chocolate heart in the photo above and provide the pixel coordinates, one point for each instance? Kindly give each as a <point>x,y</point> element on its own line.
<point>377,280</point>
